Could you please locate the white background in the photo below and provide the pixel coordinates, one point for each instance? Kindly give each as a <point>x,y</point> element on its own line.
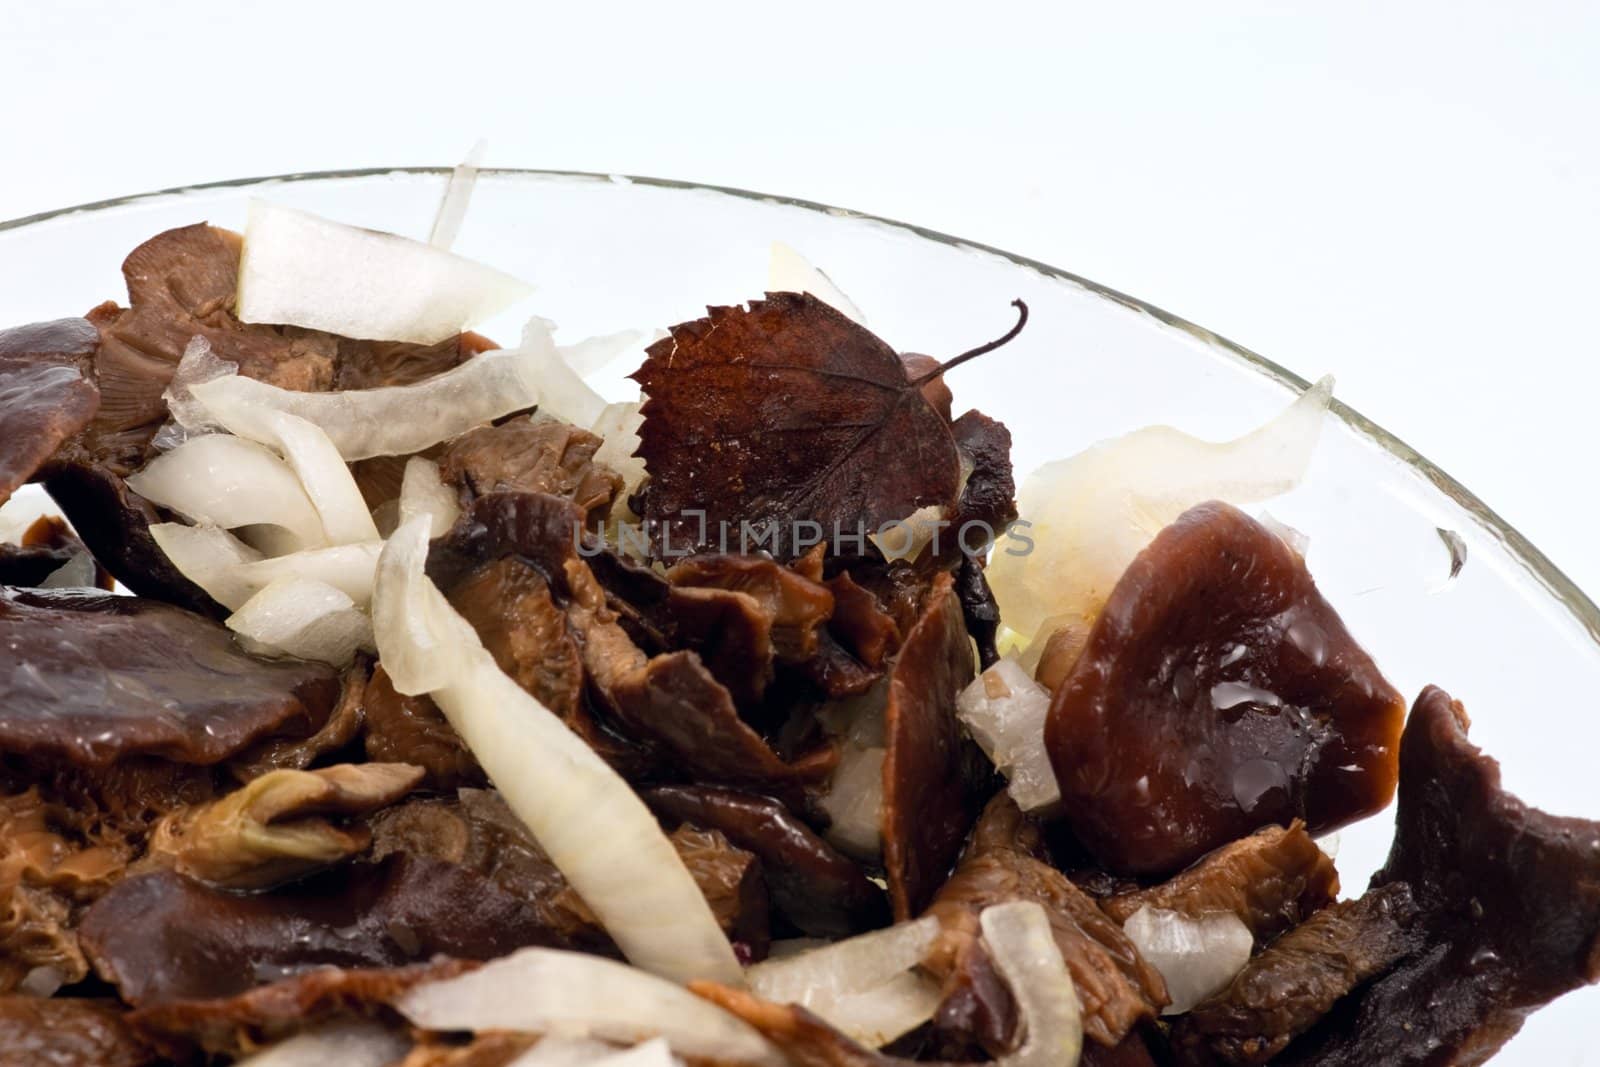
<point>1405,195</point>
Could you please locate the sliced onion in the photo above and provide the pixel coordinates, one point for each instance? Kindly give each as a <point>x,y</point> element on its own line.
<point>301,270</point>
<point>1197,956</point>
<point>423,492</point>
<point>562,391</point>
<point>854,800</point>
<point>300,617</point>
<point>1092,513</point>
<point>558,1050</point>
<point>327,481</point>
<point>790,272</point>
<point>1024,951</point>
<point>618,428</point>
<point>1004,709</point>
<point>655,1053</point>
<point>906,538</point>
<point>585,816</point>
<point>392,420</point>
<point>231,572</point>
<point>457,196</point>
<point>867,986</point>
<point>189,417</point>
<point>594,354</point>
<point>229,482</point>
<point>356,1043</point>
<point>540,990</point>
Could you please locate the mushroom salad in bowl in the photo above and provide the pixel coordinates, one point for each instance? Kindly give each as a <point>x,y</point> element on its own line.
<point>389,676</point>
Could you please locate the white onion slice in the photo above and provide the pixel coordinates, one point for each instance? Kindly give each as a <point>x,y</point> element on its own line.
<point>423,492</point>
<point>457,196</point>
<point>867,987</point>
<point>1092,513</point>
<point>229,482</point>
<point>231,572</point>
<point>1025,953</point>
<point>391,420</point>
<point>558,1050</point>
<point>188,416</point>
<point>323,474</point>
<point>790,272</point>
<point>854,800</point>
<point>562,391</point>
<point>1197,956</point>
<point>618,428</point>
<point>301,270</point>
<point>356,1043</point>
<point>594,354</point>
<point>655,1053</point>
<point>300,617</point>
<point>539,990</point>
<point>587,818</point>
<point>1004,709</point>
<point>906,538</point>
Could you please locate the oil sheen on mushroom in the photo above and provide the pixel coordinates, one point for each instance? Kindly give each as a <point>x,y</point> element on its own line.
<point>1218,692</point>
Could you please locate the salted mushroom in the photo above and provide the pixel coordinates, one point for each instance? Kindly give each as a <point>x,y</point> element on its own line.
<point>1509,902</point>
<point>110,677</point>
<point>1218,692</point>
<point>279,826</point>
<point>45,395</point>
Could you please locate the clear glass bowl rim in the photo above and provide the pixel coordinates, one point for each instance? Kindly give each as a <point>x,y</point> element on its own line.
<point>1560,587</point>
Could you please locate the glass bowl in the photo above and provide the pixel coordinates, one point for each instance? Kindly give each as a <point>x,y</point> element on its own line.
<point>1509,635</point>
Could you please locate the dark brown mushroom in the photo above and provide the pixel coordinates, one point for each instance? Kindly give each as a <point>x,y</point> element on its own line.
<point>1272,880</point>
<point>229,1025</point>
<point>731,880</point>
<point>69,1032</point>
<point>511,607</point>
<point>798,606</point>
<point>115,522</point>
<point>108,677</point>
<point>45,395</point>
<point>988,502</point>
<point>859,622</point>
<point>532,454</point>
<point>1004,862</point>
<point>373,364</point>
<point>929,798</point>
<point>1510,902</point>
<point>821,892</point>
<point>161,937</point>
<point>412,729</point>
<point>1293,983</point>
<point>1218,693</point>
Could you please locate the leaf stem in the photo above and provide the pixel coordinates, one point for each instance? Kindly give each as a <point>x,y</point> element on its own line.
<point>951,364</point>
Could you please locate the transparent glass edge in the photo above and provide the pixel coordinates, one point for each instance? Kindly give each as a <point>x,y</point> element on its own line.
<point>1539,566</point>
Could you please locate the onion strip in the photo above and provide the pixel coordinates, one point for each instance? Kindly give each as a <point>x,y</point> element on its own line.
<point>230,482</point>
<point>576,995</point>
<point>300,617</point>
<point>1025,953</point>
<point>584,815</point>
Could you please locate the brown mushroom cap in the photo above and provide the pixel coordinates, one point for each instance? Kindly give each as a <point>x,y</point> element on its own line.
<point>101,678</point>
<point>44,396</point>
<point>1217,693</point>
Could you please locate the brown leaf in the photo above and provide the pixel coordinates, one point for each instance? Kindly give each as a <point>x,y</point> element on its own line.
<point>786,412</point>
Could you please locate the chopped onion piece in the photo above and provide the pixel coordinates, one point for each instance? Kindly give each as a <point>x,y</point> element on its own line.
<point>1092,513</point>
<point>391,420</point>
<point>790,272</point>
<point>356,1043</point>
<point>457,195</point>
<point>1196,956</point>
<point>618,428</point>
<point>587,818</point>
<point>229,482</point>
<point>558,1050</point>
<point>189,416</point>
<point>906,538</point>
<point>1004,709</point>
<point>423,492</point>
<point>540,990</point>
<point>867,986</point>
<point>231,572</point>
<point>300,617</point>
<point>594,354</point>
<point>301,270</point>
<point>562,391</point>
<point>655,1053</point>
<point>1024,951</point>
<point>327,481</point>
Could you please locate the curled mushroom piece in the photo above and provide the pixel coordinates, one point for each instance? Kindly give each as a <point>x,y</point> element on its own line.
<point>275,828</point>
<point>1509,898</point>
<point>70,1032</point>
<point>1218,692</point>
